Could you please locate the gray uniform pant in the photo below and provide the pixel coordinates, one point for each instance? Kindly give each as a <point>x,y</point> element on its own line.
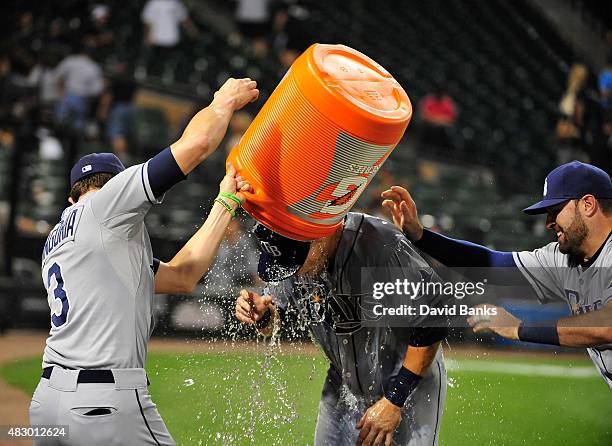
<point>339,413</point>
<point>126,414</point>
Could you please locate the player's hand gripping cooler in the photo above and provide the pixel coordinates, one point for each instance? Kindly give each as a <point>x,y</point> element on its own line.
<point>318,141</point>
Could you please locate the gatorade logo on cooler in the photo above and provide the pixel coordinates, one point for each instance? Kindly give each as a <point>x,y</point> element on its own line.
<point>342,187</point>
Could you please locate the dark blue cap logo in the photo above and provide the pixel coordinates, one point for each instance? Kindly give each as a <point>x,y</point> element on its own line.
<point>572,181</point>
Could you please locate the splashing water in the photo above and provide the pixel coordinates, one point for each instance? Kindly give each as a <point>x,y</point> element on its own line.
<point>250,406</point>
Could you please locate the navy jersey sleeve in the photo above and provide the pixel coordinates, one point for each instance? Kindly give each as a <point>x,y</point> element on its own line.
<point>453,252</point>
<point>471,260</point>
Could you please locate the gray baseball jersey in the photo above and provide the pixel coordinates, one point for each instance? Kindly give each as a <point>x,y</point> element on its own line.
<point>363,359</point>
<point>585,288</point>
<point>96,267</point>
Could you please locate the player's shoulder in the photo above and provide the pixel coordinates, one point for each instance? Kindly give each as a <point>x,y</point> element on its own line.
<point>608,243</point>
<point>550,249</point>
<point>370,228</point>
<point>373,236</point>
<point>606,251</point>
<point>133,173</point>
<point>549,255</point>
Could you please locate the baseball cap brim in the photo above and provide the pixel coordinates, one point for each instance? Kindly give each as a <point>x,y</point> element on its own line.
<point>541,206</point>
<point>284,260</point>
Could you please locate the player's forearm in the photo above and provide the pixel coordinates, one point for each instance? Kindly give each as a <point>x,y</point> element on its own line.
<point>586,330</point>
<point>584,336</point>
<point>203,134</point>
<point>418,359</point>
<point>194,259</point>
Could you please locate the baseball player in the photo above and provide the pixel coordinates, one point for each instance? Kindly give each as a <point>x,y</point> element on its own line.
<point>576,268</point>
<point>100,276</point>
<point>385,385</point>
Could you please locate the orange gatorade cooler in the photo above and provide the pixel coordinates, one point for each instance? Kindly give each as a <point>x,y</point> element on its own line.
<point>319,139</point>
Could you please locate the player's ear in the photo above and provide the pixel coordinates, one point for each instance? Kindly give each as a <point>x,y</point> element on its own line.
<point>589,205</point>
<point>70,200</point>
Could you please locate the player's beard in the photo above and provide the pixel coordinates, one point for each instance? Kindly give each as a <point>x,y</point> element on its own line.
<point>574,236</point>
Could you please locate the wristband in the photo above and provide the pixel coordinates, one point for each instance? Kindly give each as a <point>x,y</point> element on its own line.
<point>265,320</point>
<point>232,197</point>
<point>539,335</point>
<point>404,384</point>
<point>226,206</point>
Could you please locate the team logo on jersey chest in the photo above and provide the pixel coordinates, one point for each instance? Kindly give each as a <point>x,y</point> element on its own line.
<point>573,298</point>
<point>317,304</point>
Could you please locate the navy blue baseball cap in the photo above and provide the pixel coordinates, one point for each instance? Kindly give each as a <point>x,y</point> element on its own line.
<point>280,256</point>
<point>95,163</point>
<point>572,181</point>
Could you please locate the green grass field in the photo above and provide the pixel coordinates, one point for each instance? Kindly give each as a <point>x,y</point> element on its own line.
<point>248,398</point>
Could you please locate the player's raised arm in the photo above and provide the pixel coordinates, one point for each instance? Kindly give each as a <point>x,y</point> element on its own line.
<point>207,128</point>
<point>182,273</point>
<point>449,251</point>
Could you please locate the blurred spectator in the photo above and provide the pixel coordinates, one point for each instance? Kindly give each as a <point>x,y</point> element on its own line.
<point>570,107</point>
<point>605,84</point>
<point>438,114</point>
<point>605,91</point>
<point>100,31</point>
<point>117,112</point>
<point>80,80</point>
<point>292,32</point>
<point>5,89</point>
<point>43,76</point>
<point>579,128</point>
<point>253,20</point>
<point>27,34</point>
<point>162,20</point>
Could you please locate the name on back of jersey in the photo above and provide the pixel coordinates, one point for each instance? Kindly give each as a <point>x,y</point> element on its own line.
<point>64,231</point>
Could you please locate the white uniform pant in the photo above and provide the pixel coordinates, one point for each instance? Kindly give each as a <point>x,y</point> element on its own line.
<point>119,413</point>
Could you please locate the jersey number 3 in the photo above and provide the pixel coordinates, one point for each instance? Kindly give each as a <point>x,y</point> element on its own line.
<point>58,293</point>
